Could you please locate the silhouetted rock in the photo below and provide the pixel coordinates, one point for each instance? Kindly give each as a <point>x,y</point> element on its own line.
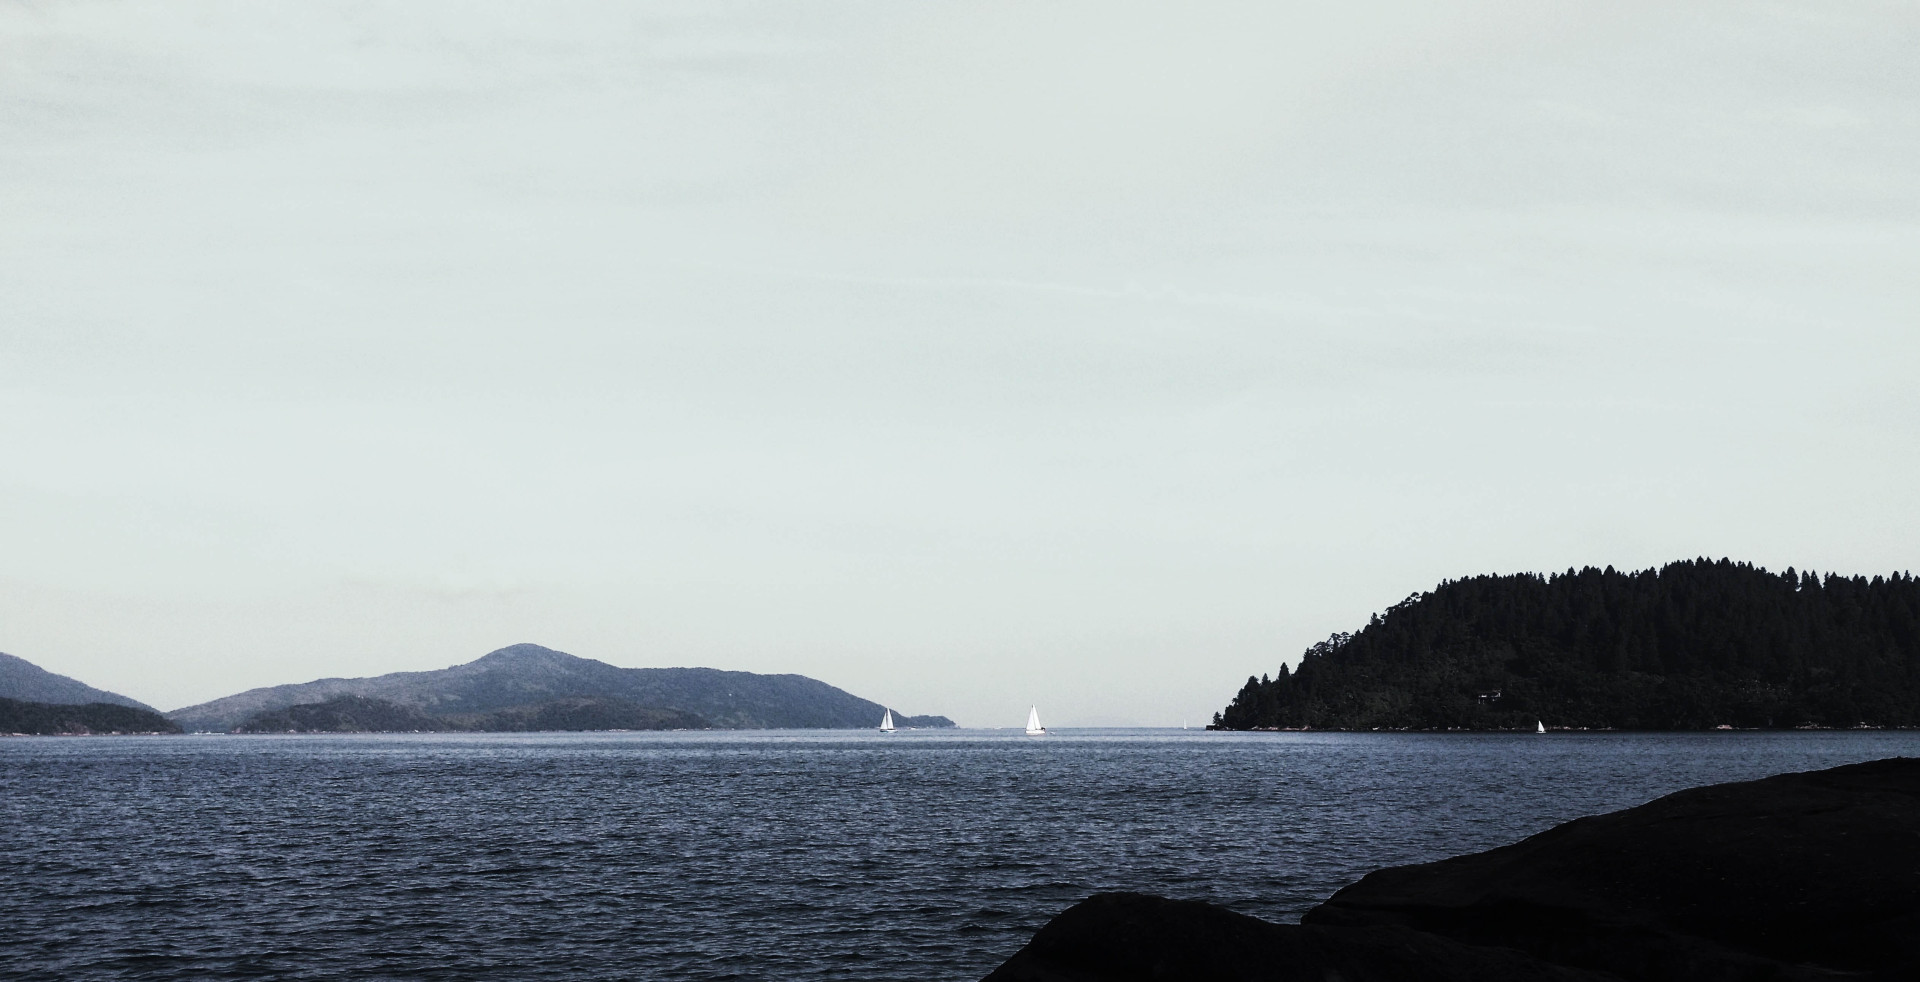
<point>1796,877</point>
<point>1693,645</point>
<point>1132,937</point>
<point>1787,875</point>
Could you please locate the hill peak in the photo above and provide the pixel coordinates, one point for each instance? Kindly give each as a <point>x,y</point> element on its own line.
<point>524,675</point>
<point>524,653</point>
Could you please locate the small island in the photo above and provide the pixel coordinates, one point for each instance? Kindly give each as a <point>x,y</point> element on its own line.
<point>1693,645</point>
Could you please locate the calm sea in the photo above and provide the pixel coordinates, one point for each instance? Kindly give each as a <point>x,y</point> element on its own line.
<point>775,855</point>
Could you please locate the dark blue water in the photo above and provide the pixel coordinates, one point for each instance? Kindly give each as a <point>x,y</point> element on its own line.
<point>780,856</point>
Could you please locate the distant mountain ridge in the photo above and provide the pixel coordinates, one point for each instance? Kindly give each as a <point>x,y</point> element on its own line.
<point>525,675</point>
<point>24,681</point>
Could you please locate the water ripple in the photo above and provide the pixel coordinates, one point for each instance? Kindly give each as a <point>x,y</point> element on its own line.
<point>789,856</point>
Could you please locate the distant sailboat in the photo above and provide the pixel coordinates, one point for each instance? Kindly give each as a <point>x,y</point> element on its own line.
<point>1539,727</point>
<point>886,722</point>
<point>1033,722</point>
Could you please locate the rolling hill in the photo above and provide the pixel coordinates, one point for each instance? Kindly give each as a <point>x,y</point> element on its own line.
<point>526,675</point>
<point>24,681</point>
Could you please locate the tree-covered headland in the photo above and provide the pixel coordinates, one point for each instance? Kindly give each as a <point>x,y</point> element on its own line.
<point>1693,645</point>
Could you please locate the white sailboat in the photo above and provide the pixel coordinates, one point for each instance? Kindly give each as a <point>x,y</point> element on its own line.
<point>886,722</point>
<point>1033,722</point>
<point>1539,727</point>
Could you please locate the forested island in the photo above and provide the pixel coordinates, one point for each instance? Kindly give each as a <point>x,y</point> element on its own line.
<point>1696,644</point>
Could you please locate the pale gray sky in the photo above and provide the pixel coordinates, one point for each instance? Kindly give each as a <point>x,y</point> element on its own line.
<point>963,355</point>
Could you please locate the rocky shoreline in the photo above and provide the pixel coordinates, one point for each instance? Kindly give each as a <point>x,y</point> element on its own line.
<point>1795,877</point>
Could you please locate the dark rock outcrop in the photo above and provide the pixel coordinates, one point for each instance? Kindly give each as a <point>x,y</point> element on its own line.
<point>1132,937</point>
<point>1816,872</point>
<point>1796,877</point>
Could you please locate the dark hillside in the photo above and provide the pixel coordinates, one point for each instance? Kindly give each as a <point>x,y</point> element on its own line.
<point>65,719</point>
<point>581,714</point>
<point>1692,645</point>
<point>345,714</point>
<point>361,714</point>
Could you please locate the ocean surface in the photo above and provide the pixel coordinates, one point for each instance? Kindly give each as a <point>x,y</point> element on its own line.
<point>769,855</point>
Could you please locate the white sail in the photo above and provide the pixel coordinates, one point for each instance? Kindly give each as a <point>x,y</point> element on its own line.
<point>1033,721</point>
<point>886,722</point>
<point>1539,727</point>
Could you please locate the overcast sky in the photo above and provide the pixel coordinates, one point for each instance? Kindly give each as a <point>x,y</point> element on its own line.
<point>962,355</point>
